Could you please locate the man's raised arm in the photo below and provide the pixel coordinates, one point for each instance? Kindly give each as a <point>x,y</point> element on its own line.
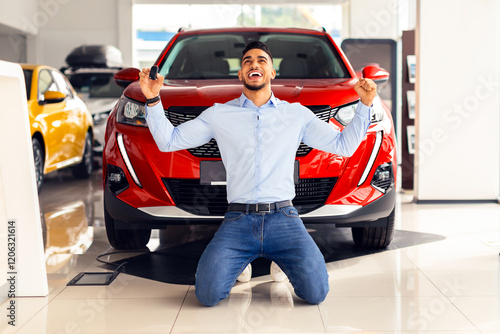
<point>168,138</point>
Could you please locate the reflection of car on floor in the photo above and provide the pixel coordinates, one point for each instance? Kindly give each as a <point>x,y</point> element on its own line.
<point>66,233</point>
<point>90,70</point>
<point>145,188</point>
<point>61,125</point>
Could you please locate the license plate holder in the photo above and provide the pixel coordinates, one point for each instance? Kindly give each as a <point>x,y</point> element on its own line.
<point>214,173</point>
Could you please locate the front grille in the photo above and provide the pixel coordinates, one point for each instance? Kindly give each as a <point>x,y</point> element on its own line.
<point>178,115</point>
<point>322,112</point>
<point>204,200</point>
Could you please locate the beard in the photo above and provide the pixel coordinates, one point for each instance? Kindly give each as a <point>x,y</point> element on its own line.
<point>254,88</point>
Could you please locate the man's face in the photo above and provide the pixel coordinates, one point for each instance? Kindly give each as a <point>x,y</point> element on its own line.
<point>256,70</point>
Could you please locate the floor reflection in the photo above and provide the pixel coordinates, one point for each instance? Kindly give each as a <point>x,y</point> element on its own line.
<point>70,209</point>
<point>66,233</point>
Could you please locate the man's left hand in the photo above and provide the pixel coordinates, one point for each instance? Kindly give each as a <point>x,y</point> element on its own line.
<point>367,90</point>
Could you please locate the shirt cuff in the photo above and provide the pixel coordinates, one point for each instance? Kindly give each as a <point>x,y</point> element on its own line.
<point>157,109</point>
<point>363,110</point>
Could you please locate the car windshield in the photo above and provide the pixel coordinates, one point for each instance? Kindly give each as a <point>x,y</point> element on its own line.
<point>218,55</point>
<point>96,84</point>
<point>27,80</point>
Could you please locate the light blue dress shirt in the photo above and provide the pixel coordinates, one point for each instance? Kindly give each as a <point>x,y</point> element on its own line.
<point>258,145</point>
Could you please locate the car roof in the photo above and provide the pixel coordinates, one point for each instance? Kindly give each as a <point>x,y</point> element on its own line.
<point>183,31</point>
<point>96,70</point>
<point>35,66</point>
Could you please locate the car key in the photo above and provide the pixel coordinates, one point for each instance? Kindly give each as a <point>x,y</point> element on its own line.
<point>153,72</point>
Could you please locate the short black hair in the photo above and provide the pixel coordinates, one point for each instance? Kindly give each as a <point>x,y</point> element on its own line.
<point>257,45</point>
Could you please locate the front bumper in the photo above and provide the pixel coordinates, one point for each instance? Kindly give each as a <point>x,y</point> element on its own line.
<point>161,216</point>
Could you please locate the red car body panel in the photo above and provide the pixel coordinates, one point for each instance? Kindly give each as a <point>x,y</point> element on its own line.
<point>155,165</point>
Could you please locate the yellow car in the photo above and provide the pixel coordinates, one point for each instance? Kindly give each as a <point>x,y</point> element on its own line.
<point>61,125</point>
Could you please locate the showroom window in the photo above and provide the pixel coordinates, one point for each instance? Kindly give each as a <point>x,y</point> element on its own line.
<point>154,25</point>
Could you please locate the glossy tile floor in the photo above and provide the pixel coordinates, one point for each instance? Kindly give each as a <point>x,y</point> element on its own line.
<point>449,284</point>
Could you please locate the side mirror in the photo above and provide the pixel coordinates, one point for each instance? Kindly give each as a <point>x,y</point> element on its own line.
<point>377,74</point>
<point>53,97</point>
<point>126,76</point>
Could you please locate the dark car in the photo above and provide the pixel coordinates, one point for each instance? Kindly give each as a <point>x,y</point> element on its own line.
<point>145,188</point>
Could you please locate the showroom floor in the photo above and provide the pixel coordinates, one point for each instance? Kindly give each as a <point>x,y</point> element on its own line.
<point>440,275</point>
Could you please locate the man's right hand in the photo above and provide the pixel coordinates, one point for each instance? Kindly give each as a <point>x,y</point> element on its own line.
<point>150,88</point>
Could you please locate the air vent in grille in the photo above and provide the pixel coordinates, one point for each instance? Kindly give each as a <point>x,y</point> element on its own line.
<point>191,196</point>
<point>323,112</point>
<point>178,115</point>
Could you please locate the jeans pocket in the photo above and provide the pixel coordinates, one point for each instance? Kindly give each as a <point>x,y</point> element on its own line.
<point>290,211</point>
<point>233,215</point>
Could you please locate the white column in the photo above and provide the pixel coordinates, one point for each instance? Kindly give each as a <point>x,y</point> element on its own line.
<point>22,261</point>
<point>125,38</point>
<point>458,100</point>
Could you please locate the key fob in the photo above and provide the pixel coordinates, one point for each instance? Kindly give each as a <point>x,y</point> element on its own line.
<point>153,72</point>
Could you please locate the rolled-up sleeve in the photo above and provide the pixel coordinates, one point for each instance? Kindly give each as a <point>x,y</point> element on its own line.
<point>320,135</point>
<point>190,134</point>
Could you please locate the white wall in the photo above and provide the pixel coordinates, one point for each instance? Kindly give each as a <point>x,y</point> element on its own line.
<point>18,27</point>
<point>20,15</point>
<point>78,22</point>
<point>458,100</point>
<point>372,19</point>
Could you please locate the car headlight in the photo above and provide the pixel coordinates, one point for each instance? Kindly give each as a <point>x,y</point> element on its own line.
<point>378,111</point>
<point>131,112</point>
<point>344,114</point>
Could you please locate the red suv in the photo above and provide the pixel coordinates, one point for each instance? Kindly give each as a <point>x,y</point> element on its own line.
<point>145,188</point>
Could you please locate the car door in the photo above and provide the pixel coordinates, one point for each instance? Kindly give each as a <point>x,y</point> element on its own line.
<point>75,136</point>
<point>52,114</point>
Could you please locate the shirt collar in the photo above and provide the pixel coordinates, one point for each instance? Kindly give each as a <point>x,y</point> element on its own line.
<point>243,100</point>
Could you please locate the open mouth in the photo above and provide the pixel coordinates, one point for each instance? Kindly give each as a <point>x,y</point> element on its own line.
<point>255,75</point>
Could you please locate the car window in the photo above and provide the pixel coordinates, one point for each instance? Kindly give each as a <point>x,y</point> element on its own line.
<point>215,56</point>
<point>301,56</point>
<point>97,85</point>
<point>62,83</point>
<point>28,75</point>
<point>45,84</point>
<point>204,56</point>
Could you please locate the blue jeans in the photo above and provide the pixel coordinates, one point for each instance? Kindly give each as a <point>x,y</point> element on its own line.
<point>278,235</point>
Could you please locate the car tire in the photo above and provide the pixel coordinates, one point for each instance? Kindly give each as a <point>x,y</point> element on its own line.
<point>122,238</point>
<point>39,160</point>
<point>375,237</point>
<point>84,169</point>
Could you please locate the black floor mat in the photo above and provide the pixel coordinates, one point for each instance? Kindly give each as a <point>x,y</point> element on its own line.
<point>176,263</point>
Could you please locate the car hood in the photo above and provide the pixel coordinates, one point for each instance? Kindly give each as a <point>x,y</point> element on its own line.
<point>333,92</point>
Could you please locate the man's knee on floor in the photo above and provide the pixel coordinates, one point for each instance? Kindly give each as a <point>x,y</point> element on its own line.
<point>314,293</point>
<point>317,296</point>
<point>207,299</point>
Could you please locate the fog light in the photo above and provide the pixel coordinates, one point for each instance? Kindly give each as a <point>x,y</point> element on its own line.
<point>383,178</point>
<point>116,179</point>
